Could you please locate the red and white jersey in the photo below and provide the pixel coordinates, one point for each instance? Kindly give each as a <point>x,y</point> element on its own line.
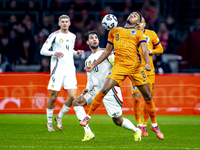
<point>60,42</point>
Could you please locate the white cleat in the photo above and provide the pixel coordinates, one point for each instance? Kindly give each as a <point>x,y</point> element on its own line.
<point>58,122</point>
<point>50,127</point>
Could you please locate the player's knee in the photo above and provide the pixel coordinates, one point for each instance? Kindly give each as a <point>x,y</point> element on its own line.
<point>137,95</point>
<point>117,121</point>
<point>52,98</point>
<point>147,97</point>
<point>104,91</point>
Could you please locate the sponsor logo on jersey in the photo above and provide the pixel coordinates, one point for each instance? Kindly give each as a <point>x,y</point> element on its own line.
<point>61,40</point>
<point>134,88</point>
<point>147,38</point>
<point>133,32</point>
<point>72,40</point>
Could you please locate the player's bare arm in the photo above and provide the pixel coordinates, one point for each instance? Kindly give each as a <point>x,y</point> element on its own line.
<point>104,55</point>
<point>146,56</point>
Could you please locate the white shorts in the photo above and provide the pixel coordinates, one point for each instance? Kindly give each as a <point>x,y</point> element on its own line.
<point>58,79</point>
<point>112,103</point>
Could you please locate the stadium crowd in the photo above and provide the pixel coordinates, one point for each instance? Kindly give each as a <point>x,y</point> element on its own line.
<point>25,25</point>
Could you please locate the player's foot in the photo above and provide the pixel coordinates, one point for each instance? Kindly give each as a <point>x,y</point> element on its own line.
<point>137,135</point>
<point>85,121</point>
<point>144,131</point>
<point>88,136</point>
<point>158,132</point>
<point>50,127</point>
<point>58,122</point>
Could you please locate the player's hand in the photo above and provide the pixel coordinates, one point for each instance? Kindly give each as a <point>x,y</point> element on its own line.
<point>80,52</point>
<point>59,54</point>
<point>148,68</point>
<point>149,51</point>
<point>89,68</point>
<point>84,91</point>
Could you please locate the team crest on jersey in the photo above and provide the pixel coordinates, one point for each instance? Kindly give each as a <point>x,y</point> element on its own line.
<point>52,86</point>
<point>109,73</point>
<point>147,38</point>
<point>133,32</point>
<point>61,40</point>
<point>90,62</point>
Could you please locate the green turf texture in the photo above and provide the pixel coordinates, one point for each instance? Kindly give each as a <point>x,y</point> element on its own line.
<point>29,132</point>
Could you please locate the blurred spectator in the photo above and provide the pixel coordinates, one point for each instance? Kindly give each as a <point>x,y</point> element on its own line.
<point>163,34</point>
<point>196,25</point>
<point>26,52</point>
<point>128,7</point>
<point>45,65</point>
<point>5,48</point>
<point>161,65</point>
<point>94,6</point>
<point>1,28</point>
<point>71,15</point>
<point>45,23</point>
<point>5,66</point>
<point>12,5</point>
<point>12,21</point>
<point>80,5</point>
<point>80,44</point>
<point>149,11</point>
<point>107,10</point>
<point>121,21</point>
<point>32,6</point>
<point>103,35</point>
<point>53,24</point>
<point>28,23</point>
<point>85,22</point>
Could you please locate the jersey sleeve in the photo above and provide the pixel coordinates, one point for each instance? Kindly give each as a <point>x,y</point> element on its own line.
<point>45,50</point>
<point>141,37</point>
<point>111,37</point>
<point>158,49</point>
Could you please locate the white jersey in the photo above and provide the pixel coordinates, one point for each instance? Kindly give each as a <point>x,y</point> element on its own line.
<point>97,77</point>
<point>60,42</point>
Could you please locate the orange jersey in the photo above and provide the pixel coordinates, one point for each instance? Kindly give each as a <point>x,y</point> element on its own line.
<point>154,45</point>
<point>126,41</point>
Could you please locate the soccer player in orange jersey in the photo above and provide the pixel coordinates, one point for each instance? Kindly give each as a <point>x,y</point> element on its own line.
<point>127,63</point>
<point>154,47</point>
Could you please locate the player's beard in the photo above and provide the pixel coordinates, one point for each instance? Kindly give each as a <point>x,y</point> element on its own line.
<point>94,47</point>
<point>128,22</point>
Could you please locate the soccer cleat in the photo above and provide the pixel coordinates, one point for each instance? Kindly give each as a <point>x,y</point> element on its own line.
<point>137,135</point>
<point>158,132</point>
<point>58,122</point>
<point>85,121</point>
<point>144,131</point>
<point>88,136</point>
<point>50,127</point>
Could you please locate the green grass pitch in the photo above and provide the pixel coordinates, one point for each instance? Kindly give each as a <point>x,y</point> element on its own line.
<point>29,132</point>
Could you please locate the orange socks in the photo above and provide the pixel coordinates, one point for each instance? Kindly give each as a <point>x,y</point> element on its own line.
<point>145,115</point>
<point>96,103</point>
<point>137,109</point>
<point>151,110</point>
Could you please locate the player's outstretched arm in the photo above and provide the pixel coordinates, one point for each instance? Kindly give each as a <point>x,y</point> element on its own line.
<point>103,56</point>
<point>146,56</point>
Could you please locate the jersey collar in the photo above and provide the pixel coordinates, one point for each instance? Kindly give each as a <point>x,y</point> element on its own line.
<point>128,27</point>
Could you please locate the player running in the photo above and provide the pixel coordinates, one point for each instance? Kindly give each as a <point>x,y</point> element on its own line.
<point>154,47</point>
<point>127,62</point>
<point>60,46</point>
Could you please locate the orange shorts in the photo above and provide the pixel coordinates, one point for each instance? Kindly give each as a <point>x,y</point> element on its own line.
<point>136,75</point>
<point>151,84</point>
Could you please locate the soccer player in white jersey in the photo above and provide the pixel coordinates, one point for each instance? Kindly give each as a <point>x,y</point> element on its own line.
<point>60,46</point>
<point>95,80</point>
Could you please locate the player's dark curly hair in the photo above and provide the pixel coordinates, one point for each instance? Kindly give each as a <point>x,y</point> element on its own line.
<point>86,35</point>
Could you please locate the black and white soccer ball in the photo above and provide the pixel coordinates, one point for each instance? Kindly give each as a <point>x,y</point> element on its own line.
<point>109,21</point>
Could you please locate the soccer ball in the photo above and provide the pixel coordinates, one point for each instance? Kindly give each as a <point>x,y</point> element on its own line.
<point>109,21</point>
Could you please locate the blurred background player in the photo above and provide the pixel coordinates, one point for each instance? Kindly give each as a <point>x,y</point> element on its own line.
<point>154,47</point>
<point>60,46</point>
<point>112,101</point>
<point>127,62</point>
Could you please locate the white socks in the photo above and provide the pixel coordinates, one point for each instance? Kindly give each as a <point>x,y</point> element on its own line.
<point>80,113</point>
<point>49,115</point>
<point>129,125</point>
<point>63,111</point>
<point>154,125</point>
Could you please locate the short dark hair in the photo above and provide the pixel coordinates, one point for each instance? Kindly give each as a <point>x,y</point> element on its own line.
<point>139,15</point>
<point>86,35</point>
